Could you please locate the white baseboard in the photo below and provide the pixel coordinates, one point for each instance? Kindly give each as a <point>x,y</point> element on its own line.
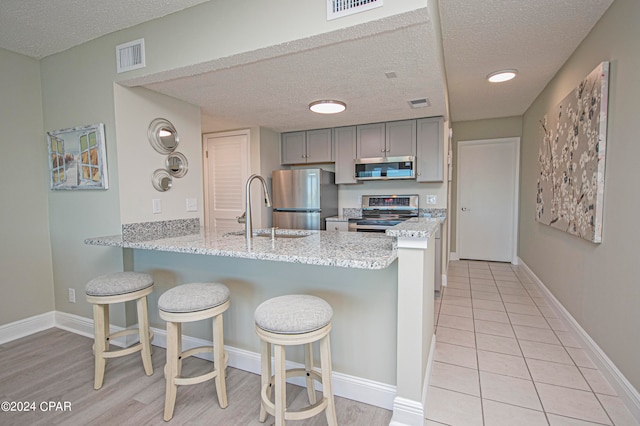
<point>453,256</point>
<point>622,386</point>
<point>24,327</point>
<point>350,387</point>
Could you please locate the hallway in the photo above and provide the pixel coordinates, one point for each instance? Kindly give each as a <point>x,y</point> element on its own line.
<point>504,357</point>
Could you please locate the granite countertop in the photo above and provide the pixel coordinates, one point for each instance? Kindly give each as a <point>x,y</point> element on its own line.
<point>419,227</point>
<point>327,248</point>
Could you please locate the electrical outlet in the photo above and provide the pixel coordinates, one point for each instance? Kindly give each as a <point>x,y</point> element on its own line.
<point>72,295</point>
<point>192,204</point>
<point>431,199</point>
<point>156,206</point>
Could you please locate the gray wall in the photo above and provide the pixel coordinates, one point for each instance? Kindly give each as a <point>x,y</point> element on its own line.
<point>597,283</point>
<point>476,130</point>
<point>25,254</point>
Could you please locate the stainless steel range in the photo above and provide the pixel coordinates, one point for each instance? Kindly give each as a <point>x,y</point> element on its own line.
<point>380,212</point>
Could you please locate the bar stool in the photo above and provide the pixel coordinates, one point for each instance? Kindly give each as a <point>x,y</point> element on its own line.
<point>187,303</point>
<point>287,321</point>
<point>115,288</point>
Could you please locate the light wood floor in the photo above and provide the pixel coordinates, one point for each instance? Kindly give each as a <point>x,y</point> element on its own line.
<point>56,365</point>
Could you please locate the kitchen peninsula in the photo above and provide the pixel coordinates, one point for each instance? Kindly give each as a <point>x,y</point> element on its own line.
<point>380,287</point>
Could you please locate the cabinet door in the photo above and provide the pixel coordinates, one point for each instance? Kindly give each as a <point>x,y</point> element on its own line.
<point>370,140</point>
<point>429,159</point>
<point>337,226</point>
<point>344,140</point>
<point>293,148</point>
<point>401,138</point>
<point>319,146</point>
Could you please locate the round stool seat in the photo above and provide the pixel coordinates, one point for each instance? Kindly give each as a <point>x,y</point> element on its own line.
<point>117,283</point>
<point>193,297</point>
<point>293,314</point>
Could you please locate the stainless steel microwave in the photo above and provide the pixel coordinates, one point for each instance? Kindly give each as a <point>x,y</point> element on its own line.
<point>384,168</point>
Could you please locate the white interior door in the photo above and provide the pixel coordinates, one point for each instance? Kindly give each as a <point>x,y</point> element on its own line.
<point>227,170</point>
<point>487,199</point>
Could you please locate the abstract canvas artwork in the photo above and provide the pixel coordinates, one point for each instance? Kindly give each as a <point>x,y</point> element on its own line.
<point>572,159</point>
<point>77,158</point>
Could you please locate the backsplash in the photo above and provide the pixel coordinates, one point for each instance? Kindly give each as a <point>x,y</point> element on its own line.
<point>349,213</point>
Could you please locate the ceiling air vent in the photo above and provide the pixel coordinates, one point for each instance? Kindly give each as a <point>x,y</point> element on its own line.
<point>130,56</point>
<point>419,103</point>
<point>340,8</point>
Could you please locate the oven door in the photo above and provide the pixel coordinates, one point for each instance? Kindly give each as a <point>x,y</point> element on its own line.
<point>371,225</point>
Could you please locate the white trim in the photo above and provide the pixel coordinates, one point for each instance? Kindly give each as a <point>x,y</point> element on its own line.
<point>346,386</point>
<point>25,327</point>
<point>621,385</point>
<point>454,255</point>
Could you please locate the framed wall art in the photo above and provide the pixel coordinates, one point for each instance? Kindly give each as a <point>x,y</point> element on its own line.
<point>77,158</point>
<point>570,193</point>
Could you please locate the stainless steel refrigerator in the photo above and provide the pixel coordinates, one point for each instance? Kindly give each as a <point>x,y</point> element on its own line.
<point>303,198</point>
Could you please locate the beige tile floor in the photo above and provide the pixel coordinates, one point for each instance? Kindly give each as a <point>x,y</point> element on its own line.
<point>503,357</point>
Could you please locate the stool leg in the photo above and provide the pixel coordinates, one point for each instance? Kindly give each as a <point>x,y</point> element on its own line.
<point>101,332</point>
<point>143,329</point>
<point>308,366</point>
<point>265,378</point>
<point>218,361</point>
<point>281,384</point>
<point>171,369</point>
<point>327,387</point>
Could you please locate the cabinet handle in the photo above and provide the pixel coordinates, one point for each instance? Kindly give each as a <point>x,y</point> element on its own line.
<point>419,173</point>
<point>382,150</point>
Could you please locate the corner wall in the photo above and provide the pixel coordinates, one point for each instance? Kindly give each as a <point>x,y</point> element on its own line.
<point>25,253</point>
<point>596,283</point>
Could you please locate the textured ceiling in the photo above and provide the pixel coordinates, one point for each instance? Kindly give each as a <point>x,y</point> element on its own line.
<point>272,87</point>
<point>39,28</point>
<point>534,37</point>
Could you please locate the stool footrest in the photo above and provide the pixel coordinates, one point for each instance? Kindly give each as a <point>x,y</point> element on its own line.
<point>125,351</point>
<point>182,381</point>
<point>301,414</point>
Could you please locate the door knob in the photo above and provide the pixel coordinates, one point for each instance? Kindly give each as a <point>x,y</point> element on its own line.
<point>464,209</point>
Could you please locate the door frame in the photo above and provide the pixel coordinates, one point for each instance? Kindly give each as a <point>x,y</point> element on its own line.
<point>207,172</point>
<point>516,195</point>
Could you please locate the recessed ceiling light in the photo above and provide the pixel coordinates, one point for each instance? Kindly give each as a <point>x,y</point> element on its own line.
<point>502,75</point>
<point>327,106</point>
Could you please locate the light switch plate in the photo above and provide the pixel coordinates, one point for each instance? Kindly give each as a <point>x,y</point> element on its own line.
<point>156,206</point>
<point>431,199</point>
<point>192,204</point>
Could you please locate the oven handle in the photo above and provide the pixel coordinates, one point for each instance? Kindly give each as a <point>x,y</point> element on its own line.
<point>355,227</point>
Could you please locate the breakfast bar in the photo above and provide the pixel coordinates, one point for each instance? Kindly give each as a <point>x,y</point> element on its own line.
<point>379,286</point>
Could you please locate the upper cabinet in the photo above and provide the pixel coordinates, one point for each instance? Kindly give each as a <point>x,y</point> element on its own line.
<point>422,138</point>
<point>430,143</point>
<point>313,146</point>
<point>344,141</point>
<point>392,139</point>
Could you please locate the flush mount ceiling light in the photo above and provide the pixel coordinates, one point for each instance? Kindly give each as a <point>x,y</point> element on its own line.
<point>502,75</point>
<point>327,106</point>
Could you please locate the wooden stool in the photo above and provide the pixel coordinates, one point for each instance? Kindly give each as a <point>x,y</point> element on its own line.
<point>187,303</point>
<point>115,288</point>
<point>295,320</point>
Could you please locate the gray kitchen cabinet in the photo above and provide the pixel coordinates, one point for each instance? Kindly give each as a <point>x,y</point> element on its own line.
<point>371,140</point>
<point>313,146</point>
<point>344,141</point>
<point>391,139</point>
<point>430,145</point>
<point>401,138</point>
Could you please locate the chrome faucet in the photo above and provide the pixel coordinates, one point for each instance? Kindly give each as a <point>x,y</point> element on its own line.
<point>267,202</point>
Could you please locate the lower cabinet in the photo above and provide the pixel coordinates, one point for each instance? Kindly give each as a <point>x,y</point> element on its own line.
<point>337,225</point>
